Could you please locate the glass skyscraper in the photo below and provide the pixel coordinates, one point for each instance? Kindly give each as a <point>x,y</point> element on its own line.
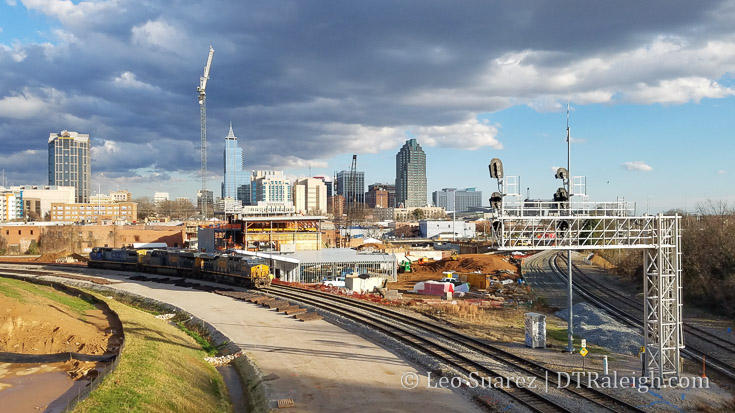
<point>69,162</point>
<point>411,176</point>
<point>234,175</point>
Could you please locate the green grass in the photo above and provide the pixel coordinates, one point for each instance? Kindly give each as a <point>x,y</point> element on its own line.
<point>161,370</point>
<point>12,288</point>
<point>207,347</point>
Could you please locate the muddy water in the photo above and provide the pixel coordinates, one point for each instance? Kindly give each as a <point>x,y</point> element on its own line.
<point>36,387</point>
<point>234,388</point>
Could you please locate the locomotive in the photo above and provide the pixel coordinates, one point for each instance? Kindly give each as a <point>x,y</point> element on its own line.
<point>250,272</point>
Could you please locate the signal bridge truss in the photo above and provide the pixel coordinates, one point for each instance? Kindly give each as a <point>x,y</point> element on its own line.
<point>579,225</point>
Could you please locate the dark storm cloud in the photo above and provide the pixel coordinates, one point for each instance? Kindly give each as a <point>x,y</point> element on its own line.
<point>306,80</point>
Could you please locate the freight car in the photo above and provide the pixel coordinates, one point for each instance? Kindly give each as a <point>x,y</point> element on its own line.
<point>229,268</point>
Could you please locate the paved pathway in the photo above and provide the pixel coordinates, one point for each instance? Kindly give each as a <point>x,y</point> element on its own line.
<point>322,367</point>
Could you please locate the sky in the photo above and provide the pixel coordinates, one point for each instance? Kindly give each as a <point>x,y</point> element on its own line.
<point>650,88</point>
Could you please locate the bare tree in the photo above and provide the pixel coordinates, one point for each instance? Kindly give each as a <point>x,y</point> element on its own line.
<point>146,207</point>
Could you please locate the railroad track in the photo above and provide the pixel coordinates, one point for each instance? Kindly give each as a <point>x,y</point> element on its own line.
<point>635,320</point>
<point>402,327</point>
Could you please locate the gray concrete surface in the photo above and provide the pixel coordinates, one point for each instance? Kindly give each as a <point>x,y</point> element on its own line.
<point>322,367</point>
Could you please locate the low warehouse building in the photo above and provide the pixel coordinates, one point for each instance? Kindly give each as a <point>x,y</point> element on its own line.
<point>328,263</point>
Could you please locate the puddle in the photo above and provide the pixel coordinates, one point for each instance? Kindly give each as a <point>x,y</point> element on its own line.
<point>36,387</point>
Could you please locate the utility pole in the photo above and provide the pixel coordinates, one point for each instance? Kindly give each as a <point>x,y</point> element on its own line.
<point>570,322</point>
<point>203,112</point>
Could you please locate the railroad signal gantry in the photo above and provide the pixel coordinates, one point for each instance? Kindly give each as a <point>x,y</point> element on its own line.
<point>574,223</point>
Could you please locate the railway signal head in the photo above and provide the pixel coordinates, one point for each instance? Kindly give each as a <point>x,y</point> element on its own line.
<point>496,168</point>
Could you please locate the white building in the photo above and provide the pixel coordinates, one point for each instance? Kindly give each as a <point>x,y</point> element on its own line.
<point>271,187</point>
<point>159,197</point>
<point>121,196</point>
<point>446,229</point>
<point>310,196</point>
<point>9,206</point>
<point>46,194</point>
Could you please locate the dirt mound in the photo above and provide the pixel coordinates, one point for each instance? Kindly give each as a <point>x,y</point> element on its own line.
<point>52,256</point>
<point>470,263</point>
<point>601,262</point>
<point>486,264</point>
<point>34,325</point>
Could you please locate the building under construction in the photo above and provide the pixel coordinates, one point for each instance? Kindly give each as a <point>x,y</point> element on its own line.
<point>273,234</point>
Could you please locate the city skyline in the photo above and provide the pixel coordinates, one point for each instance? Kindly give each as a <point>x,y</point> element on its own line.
<point>650,95</point>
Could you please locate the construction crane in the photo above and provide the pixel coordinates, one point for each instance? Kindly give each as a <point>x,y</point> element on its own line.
<point>203,109</point>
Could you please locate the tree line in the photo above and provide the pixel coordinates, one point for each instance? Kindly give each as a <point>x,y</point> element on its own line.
<point>708,257</point>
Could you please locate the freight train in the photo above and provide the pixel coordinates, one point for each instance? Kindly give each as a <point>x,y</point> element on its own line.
<point>250,272</point>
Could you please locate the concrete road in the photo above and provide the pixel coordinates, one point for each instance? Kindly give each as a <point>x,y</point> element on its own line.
<point>322,367</point>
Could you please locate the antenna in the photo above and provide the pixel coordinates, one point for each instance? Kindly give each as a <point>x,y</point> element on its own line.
<point>569,154</point>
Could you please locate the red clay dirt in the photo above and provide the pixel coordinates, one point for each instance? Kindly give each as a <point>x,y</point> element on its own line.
<point>485,263</point>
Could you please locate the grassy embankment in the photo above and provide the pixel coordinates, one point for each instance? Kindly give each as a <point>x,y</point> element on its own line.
<point>161,369</point>
<point>24,291</point>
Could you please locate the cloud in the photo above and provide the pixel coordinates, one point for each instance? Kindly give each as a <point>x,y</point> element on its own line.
<point>307,81</point>
<point>129,80</point>
<point>159,34</point>
<point>637,166</point>
<point>722,172</point>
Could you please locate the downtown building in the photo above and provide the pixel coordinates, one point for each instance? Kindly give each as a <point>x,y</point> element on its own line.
<point>69,162</point>
<point>352,188</point>
<point>381,196</point>
<point>236,184</point>
<point>457,200</point>
<point>310,196</point>
<point>411,176</point>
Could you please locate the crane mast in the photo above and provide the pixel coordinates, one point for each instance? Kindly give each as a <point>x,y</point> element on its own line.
<point>203,112</point>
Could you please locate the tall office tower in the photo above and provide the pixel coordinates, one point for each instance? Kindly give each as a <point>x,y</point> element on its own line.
<point>458,200</point>
<point>310,196</point>
<point>329,184</point>
<point>235,176</point>
<point>69,162</point>
<point>271,187</point>
<point>411,176</point>
<point>205,196</point>
<point>352,193</point>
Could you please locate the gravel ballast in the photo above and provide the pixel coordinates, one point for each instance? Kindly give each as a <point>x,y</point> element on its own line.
<point>597,327</point>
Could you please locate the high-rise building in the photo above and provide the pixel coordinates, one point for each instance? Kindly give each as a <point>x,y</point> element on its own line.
<point>243,193</point>
<point>270,187</point>
<point>205,196</point>
<point>234,174</point>
<point>456,200</point>
<point>353,193</point>
<point>328,183</point>
<point>377,196</point>
<point>69,162</point>
<point>310,196</point>
<point>411,175</point>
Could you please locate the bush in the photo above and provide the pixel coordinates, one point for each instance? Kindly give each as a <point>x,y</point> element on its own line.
<point>33,249</point>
